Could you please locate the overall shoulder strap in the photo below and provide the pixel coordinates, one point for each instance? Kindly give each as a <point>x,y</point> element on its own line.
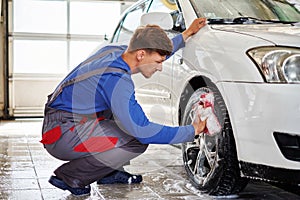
<point>82,77</point>
<point>87,75</point>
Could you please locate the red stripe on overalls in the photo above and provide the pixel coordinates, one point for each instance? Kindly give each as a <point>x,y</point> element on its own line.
<point>51,136</point>
<point>97,144</point>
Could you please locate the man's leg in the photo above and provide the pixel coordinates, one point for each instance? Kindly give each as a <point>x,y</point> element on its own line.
<point>83,171</point>
<point>83,143</point>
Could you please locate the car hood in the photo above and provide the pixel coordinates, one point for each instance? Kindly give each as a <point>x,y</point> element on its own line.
<point>278,34</point>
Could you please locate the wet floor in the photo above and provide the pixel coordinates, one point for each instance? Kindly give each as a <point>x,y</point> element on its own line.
<point>26,167</point>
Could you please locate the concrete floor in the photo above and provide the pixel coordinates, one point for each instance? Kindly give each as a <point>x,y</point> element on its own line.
<point>26,167</point>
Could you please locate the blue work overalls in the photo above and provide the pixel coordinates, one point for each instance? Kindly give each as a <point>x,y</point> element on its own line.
<point>87,141</point>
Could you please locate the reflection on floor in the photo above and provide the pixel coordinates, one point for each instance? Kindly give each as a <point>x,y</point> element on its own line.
<point>26,167</point>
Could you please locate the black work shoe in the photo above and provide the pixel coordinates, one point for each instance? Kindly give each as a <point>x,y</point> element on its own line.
<point>75,191</point>
<point>120,177</point>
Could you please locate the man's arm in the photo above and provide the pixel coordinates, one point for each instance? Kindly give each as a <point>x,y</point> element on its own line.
<point>196,25</point>
<point>131,118</point>
<point>179,40</point>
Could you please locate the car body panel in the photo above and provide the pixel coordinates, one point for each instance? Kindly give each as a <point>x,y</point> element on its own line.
<point>219,53</point>
<point>220,57</point>
<point>279,34</point>
<point>257,110</point>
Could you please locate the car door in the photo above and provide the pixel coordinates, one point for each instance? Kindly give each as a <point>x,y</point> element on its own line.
<point>154,94</point>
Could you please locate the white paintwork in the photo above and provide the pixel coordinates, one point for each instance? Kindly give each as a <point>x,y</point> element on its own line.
<point>256,109</point>
<point>188,16</point>
<point>280,34</point>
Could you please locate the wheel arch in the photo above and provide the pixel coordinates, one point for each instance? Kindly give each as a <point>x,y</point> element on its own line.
<point>192,85</point>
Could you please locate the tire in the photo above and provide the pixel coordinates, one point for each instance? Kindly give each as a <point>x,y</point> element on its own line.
<point>211,161</point>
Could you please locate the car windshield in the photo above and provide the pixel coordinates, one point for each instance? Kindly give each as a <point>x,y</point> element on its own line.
<point>248,11</point>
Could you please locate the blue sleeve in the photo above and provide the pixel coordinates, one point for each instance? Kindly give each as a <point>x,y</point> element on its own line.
<point>132,119</point>
<point>178,43</point>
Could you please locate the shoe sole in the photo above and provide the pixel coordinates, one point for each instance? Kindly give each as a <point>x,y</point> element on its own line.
<point>134,179</point>
<point>58,183</point>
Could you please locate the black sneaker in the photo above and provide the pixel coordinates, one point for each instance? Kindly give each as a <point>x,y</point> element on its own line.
<point>120,177</point>
<point>75,191</point>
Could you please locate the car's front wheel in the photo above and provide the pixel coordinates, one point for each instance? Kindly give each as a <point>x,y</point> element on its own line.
<point>211,161</point>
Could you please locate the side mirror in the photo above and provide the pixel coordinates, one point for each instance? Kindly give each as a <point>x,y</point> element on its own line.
<point>164,20</point>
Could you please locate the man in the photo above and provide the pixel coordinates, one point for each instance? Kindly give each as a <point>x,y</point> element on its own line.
<point>93,120</point>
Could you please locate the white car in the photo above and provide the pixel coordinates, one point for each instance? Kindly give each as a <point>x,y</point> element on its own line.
<point>248,55</point>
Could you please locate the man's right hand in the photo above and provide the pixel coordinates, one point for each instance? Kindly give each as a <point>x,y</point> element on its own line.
<point>196,25</point>
<point>199,125</point>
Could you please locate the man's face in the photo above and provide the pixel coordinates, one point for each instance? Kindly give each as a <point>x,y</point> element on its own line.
<point>150,63</point>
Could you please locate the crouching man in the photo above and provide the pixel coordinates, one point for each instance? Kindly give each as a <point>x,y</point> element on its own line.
<point>93,121</point>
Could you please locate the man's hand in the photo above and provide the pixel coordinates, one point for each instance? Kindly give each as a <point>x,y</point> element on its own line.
<point>196,25</point>
<point>199,125</point>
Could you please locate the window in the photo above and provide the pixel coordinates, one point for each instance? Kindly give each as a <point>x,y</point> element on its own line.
<point>169,6</point>
<point>129,23</point>
<point>39,56</point>
<point>92,18</point>
<point>266,10</point>
<point>40,16</point>
<point>53,36</point>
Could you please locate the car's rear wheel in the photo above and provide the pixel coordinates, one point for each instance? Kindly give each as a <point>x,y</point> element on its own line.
<point>211,161</point>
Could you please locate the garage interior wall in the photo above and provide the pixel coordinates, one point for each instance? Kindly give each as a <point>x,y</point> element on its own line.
<point>47,39</point>
<point>2,56</point>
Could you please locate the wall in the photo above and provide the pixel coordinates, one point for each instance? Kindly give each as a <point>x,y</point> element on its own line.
<point>2,56</point>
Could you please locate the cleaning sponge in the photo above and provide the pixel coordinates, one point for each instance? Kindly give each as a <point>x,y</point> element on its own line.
<point>205,109</point>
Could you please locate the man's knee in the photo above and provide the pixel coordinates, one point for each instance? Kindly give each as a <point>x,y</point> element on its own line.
<point>135,146</point>
<point>144,147</point>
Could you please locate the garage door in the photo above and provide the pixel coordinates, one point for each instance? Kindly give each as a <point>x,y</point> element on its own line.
<point>46,40</point>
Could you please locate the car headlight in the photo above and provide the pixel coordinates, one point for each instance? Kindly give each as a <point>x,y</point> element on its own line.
<point>277,64</point>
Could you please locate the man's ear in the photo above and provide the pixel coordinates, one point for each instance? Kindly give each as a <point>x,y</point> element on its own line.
<point>140,55</point>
